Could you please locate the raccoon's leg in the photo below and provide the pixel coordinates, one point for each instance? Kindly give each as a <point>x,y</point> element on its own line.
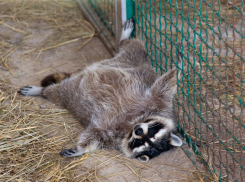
<point>133,49</point>
<point>52,93</point>
<point>80,150</point>
<point>127,30</point>
<point>47,81</point>
<point>90,140</point>
<point>50,88</point>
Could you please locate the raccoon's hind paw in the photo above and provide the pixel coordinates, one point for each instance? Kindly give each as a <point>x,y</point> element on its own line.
<point>71,152</point>
<point>127,29</point>
<point>30,90</point>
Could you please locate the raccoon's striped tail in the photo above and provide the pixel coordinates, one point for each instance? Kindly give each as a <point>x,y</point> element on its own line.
<point>54,78</point>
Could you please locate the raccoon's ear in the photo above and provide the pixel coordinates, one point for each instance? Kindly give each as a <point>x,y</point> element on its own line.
<point>143,158</point>
<point>175,140</point>
<point>165,86</point>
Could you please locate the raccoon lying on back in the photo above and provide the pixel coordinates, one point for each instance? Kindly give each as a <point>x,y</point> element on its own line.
<point>121,103</point>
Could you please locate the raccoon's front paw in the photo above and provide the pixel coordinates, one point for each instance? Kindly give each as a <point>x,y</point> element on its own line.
<point>30,90</point>
<point>128,27</point>
<point>71,152</point>
<point>68,152</point>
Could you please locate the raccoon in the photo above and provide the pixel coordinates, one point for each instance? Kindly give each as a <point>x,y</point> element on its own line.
<point>121,102</point>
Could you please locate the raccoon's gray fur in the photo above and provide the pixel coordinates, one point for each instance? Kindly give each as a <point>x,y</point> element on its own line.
<point>121,102</point>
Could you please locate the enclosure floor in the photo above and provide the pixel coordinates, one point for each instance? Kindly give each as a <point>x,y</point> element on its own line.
<point>170,166</point>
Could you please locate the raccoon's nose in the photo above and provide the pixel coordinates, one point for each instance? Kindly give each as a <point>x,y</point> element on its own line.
<point>138,130</point>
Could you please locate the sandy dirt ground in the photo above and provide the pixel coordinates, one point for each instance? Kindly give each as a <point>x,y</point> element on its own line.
<point>109,165</point>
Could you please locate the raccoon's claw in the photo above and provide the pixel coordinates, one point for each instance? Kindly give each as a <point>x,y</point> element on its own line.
<point>129,24</point>
<point>72,152</point>
<point>127,29</point>
<point>68,152</point>
<point>30,90</point>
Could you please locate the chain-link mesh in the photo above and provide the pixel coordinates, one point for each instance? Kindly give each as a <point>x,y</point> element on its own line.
<point>210,96</point>
<point>104,16</point>
<point>105,9</point>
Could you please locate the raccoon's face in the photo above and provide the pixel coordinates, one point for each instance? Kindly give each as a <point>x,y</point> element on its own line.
<point>150,138</point>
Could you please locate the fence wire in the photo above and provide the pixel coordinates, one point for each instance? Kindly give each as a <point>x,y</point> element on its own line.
<point>105,9</point>
<point>210,97</point>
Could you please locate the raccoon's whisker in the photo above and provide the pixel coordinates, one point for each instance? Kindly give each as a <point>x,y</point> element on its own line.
<point>132,143</point>
<point>155,124</point>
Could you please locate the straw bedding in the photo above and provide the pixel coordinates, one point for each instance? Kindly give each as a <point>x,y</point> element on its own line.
<point>31,135</point>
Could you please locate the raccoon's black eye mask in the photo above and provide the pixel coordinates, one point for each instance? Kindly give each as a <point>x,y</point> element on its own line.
<point>154,129</point>
<point>142,139</point>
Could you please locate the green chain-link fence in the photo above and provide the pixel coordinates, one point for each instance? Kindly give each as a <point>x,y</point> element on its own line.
<point>105,9</point>
<point>108,16</point>
<point>104,17</point>
<point>210,97</point>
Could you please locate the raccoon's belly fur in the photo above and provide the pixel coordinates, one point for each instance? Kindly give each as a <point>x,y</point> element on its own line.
<point>121,102</point>
<point>104,94</point>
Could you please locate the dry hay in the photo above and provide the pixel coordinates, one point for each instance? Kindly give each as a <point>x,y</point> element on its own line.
<point>62,16</point>
<point>30,137</point>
